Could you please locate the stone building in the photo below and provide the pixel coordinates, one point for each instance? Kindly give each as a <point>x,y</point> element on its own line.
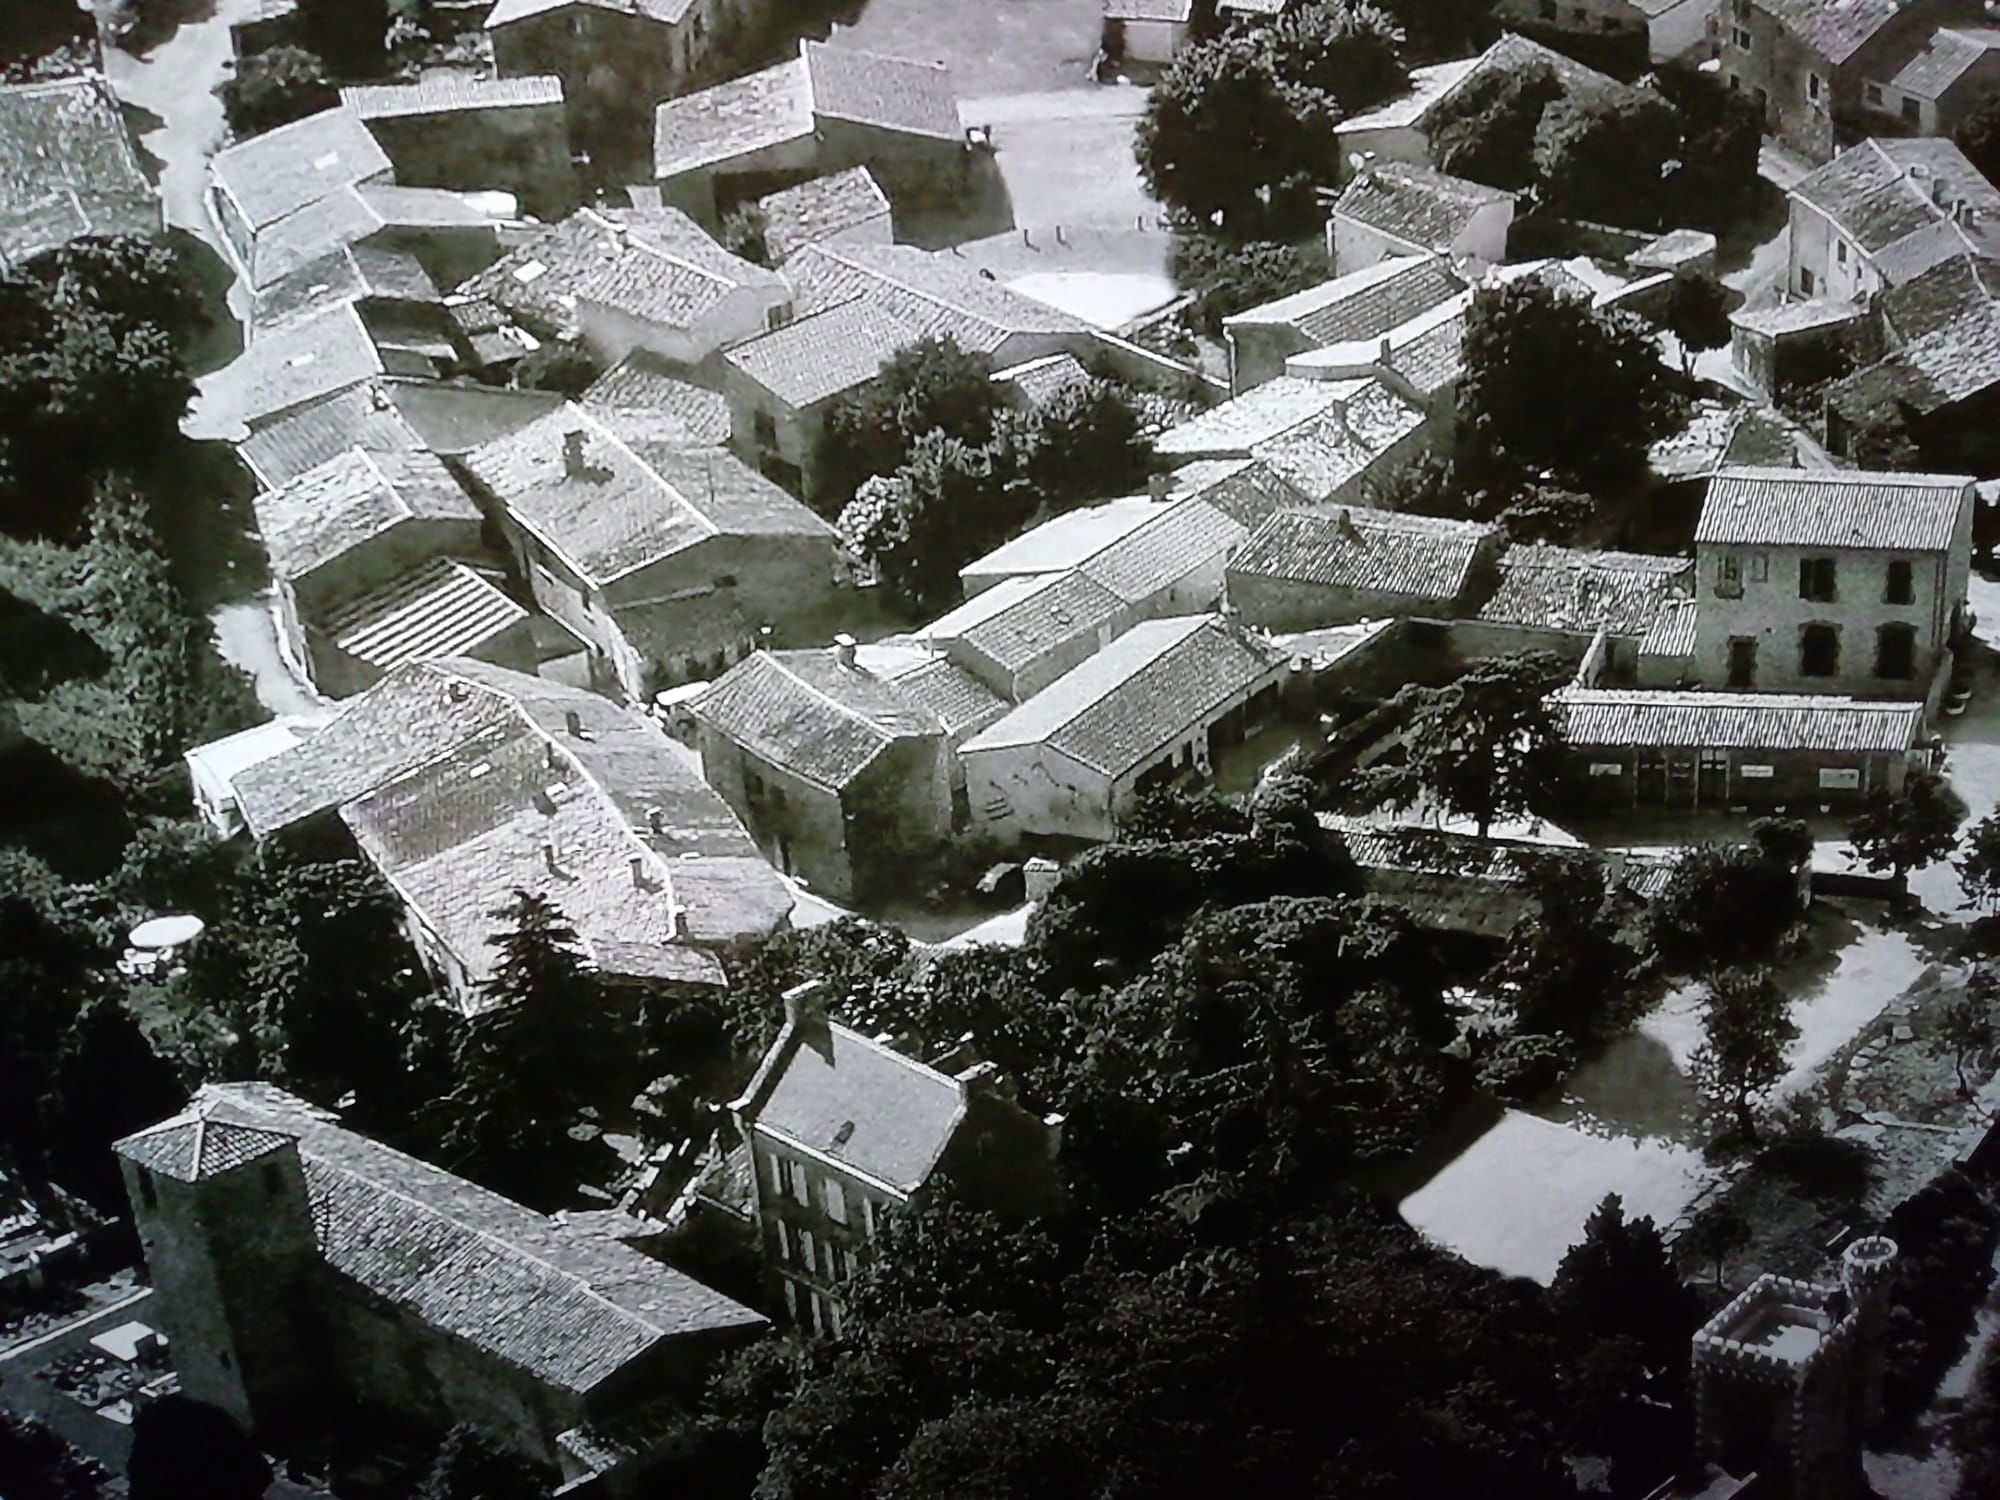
<point>68,167</point>
<point>1836,581</point>
<point>844,1130</point>
<point>1146,31</point>
<point>1394,209</point>
<point>1673,29</point>
<point>1884,212</point>
<point>1361,308</point>
<point>1301,570</point>
<point>1788,1378</point>
<point>300,1269</point>
<point>475,133</point>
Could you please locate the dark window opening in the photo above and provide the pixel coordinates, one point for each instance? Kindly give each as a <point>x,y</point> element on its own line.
<point>1817,579</point>
<point>1743,661</point>
<point>1913,112</point>
<point>1900,587</point>
<point>1819,651</point>
<point>1896,652</point>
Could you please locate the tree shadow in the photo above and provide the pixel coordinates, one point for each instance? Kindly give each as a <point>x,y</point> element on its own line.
<point>200,496</point>
<point>38,650</point>
<point>1763,212</point>
<point>155,23</point>
<point>983,207</point>
<point>1631,1087</point>
<point>77,825</point>
<point>217,338</point>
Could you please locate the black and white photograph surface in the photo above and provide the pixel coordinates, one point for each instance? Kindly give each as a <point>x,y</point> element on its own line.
<point>999,750</point>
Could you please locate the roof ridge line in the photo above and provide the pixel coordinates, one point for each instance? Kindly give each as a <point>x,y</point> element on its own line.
<point>667,484</point>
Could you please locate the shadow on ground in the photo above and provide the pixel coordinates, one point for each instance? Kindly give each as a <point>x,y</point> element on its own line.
<point>201,505</point>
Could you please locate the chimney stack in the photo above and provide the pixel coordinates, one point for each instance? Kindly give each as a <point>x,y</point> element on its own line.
<point>549,857</point>
<point>639,882</point>
<point>1346,523</point>
<point>983,1079</point>
<point>843,649</point>
<point>1159,486</point>
<point>805,1006</point>
<point>573,722</point>
<point>574,463</point>
<point>656,820</point>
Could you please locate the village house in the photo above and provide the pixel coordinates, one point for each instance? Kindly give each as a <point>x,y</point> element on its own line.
<point>1544,591</point>
<point>621,279</point>
<point>1400,129</point>
<point>840,774</point>
<point>463,783</point>
<point>68,168</point>
<point>648,393</point>
<point>509,133</point>
<point>1393,209</point>
<point>617,59</point>
<point>376,560</point>
<point>392,291</point>
<point>1022,634</point>
<point>857,306</point>
<point>1301,570</point>
<point>213,768</point>
<point>298,363</point>
<point>843,1130</point>
<point>1146,31</point>
<point>1817,70</point>
<point>1956,71</point>
<point>1361,308</point>
<point>298,1268</point>
<point>1159,703</point>
<point>1331,436</point>
<point>1884,212</point>
<point>1782,346</point>
<point>823,111</point>
<point>1836,581</point>
<point>1673,29</point>
<point>847,207</point>
<point>1638,747</point>
<point>387,413</point>
<point>665,562</point>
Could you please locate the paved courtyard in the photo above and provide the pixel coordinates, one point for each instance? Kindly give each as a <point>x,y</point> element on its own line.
<point>991,46</point>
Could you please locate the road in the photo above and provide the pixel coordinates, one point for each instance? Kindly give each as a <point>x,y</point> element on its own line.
<point>172,88</point>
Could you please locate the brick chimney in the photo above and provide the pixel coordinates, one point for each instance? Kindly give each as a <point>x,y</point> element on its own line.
<point>573,722</point>
<point>1159,486</point>
<point>574,463</point>
<point>843,649</point>
<point>549,857</point>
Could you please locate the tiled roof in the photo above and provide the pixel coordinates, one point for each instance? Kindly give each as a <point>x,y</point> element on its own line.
<point>312,357</point>
<point>844,1096</point>
<point>1949,54</point>
<point>819,209</point>
<point>818,356</point>
<point>1232,428</point>
<point>889,93</point>
<point>1419,557</point>
<point>1418,205</point>
<point>1428,87</point>
<point>334,508</point>
<point>1363,304</point>
<point>1431,86</point>
<point>935,294</point>
<point>1244,489</point>
<point>1889,197</point>
<point>654,264</point>
<point>1018,622</point>
<point>651,395</point>
<point>1672,632</point>
<point>1796,317</point>
<point>1836,29</point>
<point>283,170</point>
<point>1138,694</point>
<point>615,511</point>
<point>1175,541</point>
<point>449,94</point>
<point>442,609</point>
<point>347,215</point>
<point>1173,11</point>
<point>1432,355</point>
<point>1940,369</point>
<point>67,168</point>
<point>667,12</point>
<point>806,712</point>
<point>1322,455</point>
<point>388,414</point>
<point>751,113</point>
<point>1606,717</point>
<point>194,1148</point>
<point>1036,382</point>
<point>1793,508</point>
<point>1941,295</point>
<point>1565,588</point>
<point>351,273</point>
<point>1064,541</point>
<point>962,703</point>
<point>570,1309</point>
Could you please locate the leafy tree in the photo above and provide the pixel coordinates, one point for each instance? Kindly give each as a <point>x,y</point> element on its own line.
<point>274,88</point>
<point>472,1466</point>
<point>36,1464</point>
<point>914,528</point>
<point>1225,278</point>
<point>1555,388</point>
<point>1544,513</point>
<point>1978,136</point>
<point>1910,829</point>
<point>1619,1281</point>
<point>184,1449</point>
<point>1965,1023</point>
<point>1168,815</point>
<point>1725,906</point>
<point>1484,746</point>
<point>1350,51</point>
<point>1722,134</point>
<point>744,229</point>
<point>567,369</point>
<point>352,35</point>
<point>530,1062</point>
<point>107,1082</point>
<point>30,30</point>
<point>1604,159</point>
<point>1697,314</point>
<point>934,385</point>
<point>1486,131</point>
<point>952,1257</point>
<point>1525,1065</point>
<point>1225,134</point>
<point>1979,862</point>
<point>1715,1234</point>
<point>1564,971</point>
<point>1088,441</point>
<point>1746,1027</point>
<point>1440,30</point>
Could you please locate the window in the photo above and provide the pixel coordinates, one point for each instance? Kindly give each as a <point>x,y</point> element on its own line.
<point>784,1240</point>
<point>1900,585</point>
<point>808,1251</point>
<point>836,1202</point>
<point>725,580</point>
<point>1896,652</point>
<point>791,1181</point>
<point>1815,87</point>
<point>579,24</point>
<point>766,427</point>
<point>1817,579</point>
<point>1872,92</point>
<point>1760,567</point>
<point>830,1318</point>
<point>868,1217</point>
<point>1806,280</point>
<point>1913,112</point>
<point>1819,650</point>
<point>1840,251</point>
<point>836,1259</point>
<point>1742,661</point>
<point>1741,37</point>
<point>1729,577</point>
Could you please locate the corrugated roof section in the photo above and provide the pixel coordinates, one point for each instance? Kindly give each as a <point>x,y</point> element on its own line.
<point>446,609</point>
<point>1845,510</point>
<point>1612,718</point>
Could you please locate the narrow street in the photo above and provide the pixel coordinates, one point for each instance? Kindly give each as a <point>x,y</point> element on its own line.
<point>171,90</point>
